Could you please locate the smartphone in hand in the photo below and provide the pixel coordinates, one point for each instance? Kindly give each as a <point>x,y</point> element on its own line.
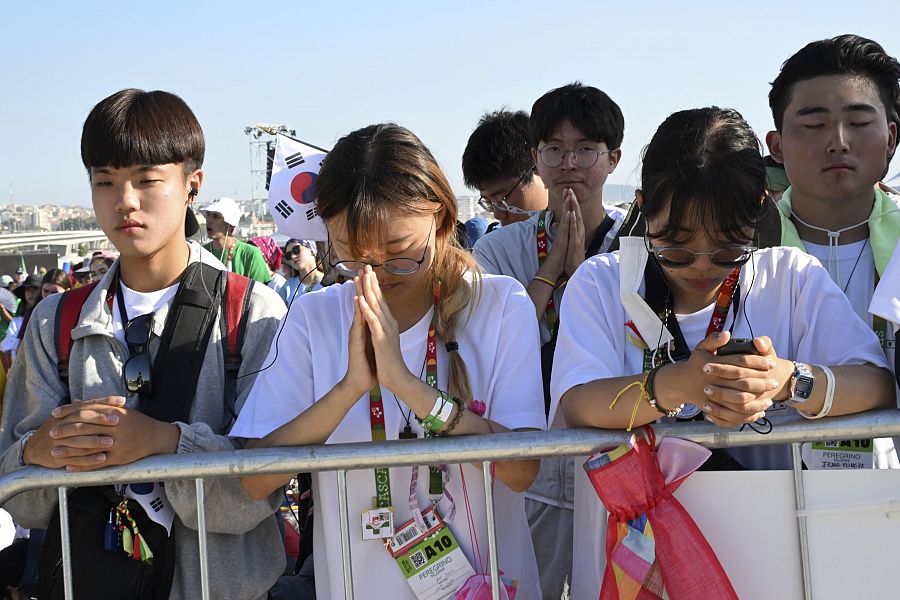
<point>737,346</point>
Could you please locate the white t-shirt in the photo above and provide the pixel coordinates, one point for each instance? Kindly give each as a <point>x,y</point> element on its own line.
<point>499,344</point>
<point>853,270</point>
<point>141,303</point>
<point>785,294</point>
<point>512,251</point>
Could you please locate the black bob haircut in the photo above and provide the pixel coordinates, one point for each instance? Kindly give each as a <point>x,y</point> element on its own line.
<point>706,165</point>
<point>134,127</point>
<point>842,55</point>
<point>590,110</point>
<point>498,149</point>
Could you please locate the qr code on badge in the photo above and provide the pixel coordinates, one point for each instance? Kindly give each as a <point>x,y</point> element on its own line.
<point>418,559</point>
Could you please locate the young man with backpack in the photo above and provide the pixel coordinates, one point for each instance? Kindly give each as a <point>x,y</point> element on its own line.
<point>835,106</point>
<point>107,375</point>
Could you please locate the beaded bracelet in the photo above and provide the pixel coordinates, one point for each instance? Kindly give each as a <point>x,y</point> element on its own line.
<point>651,395</point>
<point>460,409</point>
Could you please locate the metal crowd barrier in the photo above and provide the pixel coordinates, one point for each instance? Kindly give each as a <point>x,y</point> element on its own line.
<point>459,449</point>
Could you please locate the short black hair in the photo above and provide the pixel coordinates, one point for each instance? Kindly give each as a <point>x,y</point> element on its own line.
<point>498,149</point>
<point>134,127</point>
<point>842,55</point>
<point>590,110</point>
<point>706,165</point>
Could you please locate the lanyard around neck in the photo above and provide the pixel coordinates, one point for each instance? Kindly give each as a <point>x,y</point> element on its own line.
<point>543,249</point>
<point>376,418</point>
<point>659,298</point>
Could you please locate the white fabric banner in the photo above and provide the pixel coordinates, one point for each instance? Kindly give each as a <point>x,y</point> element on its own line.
<point>749,519</point>
<point>292,189</point>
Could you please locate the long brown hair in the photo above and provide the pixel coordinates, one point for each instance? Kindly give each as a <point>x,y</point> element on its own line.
<point>378,172</point>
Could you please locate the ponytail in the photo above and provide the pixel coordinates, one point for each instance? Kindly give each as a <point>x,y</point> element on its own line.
<point>459,281</point>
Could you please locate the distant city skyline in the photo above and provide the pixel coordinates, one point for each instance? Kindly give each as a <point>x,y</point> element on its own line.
<point>326,69</point>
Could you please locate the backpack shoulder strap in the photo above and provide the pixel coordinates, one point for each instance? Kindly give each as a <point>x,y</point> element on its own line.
<point>183,344</point>
<point>235,307</point>
<point>68,310</point>
<point>768,230</point>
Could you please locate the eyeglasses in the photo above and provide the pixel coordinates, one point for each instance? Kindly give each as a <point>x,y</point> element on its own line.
<point>679,257</point>
<point>395,266</point>
<point>585,157</point>
<point>501,205</point>
<point>137,368</point>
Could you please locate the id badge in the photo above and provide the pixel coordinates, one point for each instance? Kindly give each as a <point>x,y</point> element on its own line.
<point>843,454</point>
<point>431,561</point>
<point>378,524</point>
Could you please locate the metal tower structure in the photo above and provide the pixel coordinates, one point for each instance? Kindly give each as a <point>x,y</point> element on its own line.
<point>262,151</point>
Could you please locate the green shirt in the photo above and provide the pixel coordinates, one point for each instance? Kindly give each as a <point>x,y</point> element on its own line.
<point>246,260</point>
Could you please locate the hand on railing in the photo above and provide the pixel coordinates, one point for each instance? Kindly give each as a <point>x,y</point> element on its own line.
<point>91,434</point>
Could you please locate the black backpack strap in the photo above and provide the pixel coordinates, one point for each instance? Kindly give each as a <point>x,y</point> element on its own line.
<point>183,344</point>
<point>596,245</point>
<point>233,325</point>
<point>768,230</point>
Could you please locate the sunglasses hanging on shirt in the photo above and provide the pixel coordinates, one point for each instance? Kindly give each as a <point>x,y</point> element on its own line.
<point>138,331</point>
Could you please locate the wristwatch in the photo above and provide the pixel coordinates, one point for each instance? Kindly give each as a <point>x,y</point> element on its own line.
<point>801,384</point>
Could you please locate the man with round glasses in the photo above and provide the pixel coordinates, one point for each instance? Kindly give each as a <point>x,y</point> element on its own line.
<point>497,162</point>
<point>574,136</point>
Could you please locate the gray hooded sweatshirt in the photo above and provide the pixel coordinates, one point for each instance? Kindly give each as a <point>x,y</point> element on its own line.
<point>246,554</point>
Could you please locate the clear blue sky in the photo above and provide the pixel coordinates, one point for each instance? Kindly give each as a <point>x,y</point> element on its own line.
<point>329,67</point>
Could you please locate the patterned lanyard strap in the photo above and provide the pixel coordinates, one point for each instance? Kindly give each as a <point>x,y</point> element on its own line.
<point>543,249</point>
<point>437,474</point>
<point>716,321</point>
<point>382,474</point>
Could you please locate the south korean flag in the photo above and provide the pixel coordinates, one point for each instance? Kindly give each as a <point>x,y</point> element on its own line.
<point>292,190</point>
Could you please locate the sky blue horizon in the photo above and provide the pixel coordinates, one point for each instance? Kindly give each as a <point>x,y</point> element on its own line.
<point>326,69</point>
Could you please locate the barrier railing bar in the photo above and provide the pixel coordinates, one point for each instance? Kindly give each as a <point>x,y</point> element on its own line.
<point>65,539</point>
<point>495,447</point>
<point>491,529</point>
<point>345,534</point>
<point>201,535</point>
<point>800,501</point>
<point>485,449</point>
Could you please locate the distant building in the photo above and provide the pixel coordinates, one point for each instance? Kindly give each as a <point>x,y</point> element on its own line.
<point>466,208</point>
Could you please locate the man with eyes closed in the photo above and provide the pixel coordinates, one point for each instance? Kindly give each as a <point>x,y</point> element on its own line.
<point>143,152</point>
<point>835,107</point>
